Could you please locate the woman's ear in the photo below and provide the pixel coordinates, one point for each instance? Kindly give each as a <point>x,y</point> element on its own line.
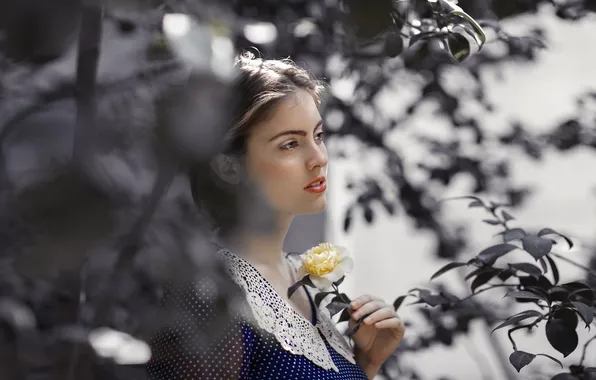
<point>227,168</point>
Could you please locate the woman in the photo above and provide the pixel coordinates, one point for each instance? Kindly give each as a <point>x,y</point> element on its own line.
<point>276,147</point>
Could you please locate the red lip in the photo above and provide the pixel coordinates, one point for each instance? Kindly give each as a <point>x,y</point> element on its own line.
<point>316,189</point>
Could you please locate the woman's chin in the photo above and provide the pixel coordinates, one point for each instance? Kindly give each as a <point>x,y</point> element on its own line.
<point>315,207</point>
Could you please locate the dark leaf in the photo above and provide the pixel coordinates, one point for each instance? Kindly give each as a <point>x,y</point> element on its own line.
<point>548,231</point>
<point>528,268</point>
<point>518,318</point>
<point>434,300</point>
<point>505,275</point>
<point>524,295</point>
<point>582,293</point>
<point>540,282</point>
<point>520,359</point>
<point>368,214</point>
<point>538,290</point>
<point>513,234</point>
<point>576,285</point>
<point>559,293</point>
<point>320,296</point>
<point>335,307</point>
<point>449,296</point>
<point>397,303</point>
<point>348,220</point>
<point>491,254</point>
<point>536,246</point>
<point>496,205</point>
<point>481,280</point>
<point>566,315</point>
<point>304,281</point>
<point>579,289</point>
<point>554,269</point>
<point>478,271</point>
<point>584,311</point>
<point>476,204</point>
<point>307,281</point>
<point>338,282</point>
<point>492,222</point>
<point>293,288</point>
<point>564,376</point>
<point>507,216</point>
<point>447,268</point>
<point>345,316</point>
<point>551,358</point>
<point>543,265</point>
<point>561,336</point>
<point>444,335</point>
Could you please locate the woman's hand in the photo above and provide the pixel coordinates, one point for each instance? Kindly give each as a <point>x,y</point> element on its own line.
<point>379,334</point>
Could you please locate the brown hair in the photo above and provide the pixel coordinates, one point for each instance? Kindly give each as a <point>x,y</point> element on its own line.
<point>261,84</point>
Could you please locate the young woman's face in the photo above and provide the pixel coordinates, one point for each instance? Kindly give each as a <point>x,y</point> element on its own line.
<point>287,158</point>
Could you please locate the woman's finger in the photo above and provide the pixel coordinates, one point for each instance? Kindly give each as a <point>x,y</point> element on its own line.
<point>391,323</point>
<point>368,308</point>
<point>380,315</point>
<point>356,303</point>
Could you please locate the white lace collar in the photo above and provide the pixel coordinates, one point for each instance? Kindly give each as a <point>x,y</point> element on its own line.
<point>273,314</point>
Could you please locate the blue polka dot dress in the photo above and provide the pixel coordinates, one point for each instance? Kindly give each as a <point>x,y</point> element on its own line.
<point>267,339</point>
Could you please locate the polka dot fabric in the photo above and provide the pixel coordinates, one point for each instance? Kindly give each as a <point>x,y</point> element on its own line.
<point>241,350</point>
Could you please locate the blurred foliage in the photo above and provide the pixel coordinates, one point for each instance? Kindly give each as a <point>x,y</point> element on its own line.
<point>562,306</point>
<point>96,212</point>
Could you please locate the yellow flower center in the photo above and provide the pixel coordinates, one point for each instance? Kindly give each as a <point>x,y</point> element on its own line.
<point>321,259</point>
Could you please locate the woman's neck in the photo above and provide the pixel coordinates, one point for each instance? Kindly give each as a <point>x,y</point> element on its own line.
<point>260,247</point>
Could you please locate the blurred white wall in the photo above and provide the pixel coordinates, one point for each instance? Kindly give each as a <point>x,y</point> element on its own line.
<point>392,257</point>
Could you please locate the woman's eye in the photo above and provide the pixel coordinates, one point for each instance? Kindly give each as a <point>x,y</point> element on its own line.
<point>320,136</point>
<point>289,146</point>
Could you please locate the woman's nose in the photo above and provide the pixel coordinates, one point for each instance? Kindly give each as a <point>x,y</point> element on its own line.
<point>317,157</point>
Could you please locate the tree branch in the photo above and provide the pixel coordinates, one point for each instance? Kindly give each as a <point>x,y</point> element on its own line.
<point>492,286</point>
<point>581,361</point>
<point>68,90</point>
<point>563,258</point>
<point>560,257</point>
<point>87,63</point>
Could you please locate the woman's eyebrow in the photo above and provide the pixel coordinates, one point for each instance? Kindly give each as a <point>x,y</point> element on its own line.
<point>296,131</point>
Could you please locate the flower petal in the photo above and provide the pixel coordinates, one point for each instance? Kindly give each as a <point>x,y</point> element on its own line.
<point>321,283</point>
<point>301,272</point>
<point>347,264</point>
<point>343,251</point>
<point>335,275</point>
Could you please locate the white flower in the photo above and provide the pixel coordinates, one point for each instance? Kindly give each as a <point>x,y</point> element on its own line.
<point>325,264</point>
